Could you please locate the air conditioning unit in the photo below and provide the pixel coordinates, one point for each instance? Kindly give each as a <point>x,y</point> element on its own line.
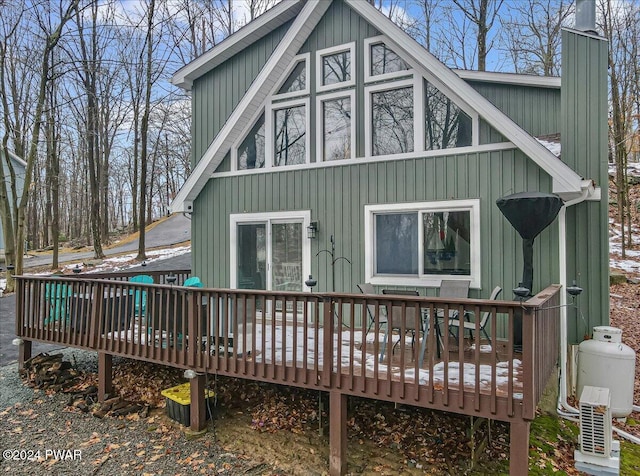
<point>599,453</point>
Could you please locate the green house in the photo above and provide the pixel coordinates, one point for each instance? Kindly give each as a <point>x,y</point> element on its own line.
<point>19,167</point>
<point>322,127</point>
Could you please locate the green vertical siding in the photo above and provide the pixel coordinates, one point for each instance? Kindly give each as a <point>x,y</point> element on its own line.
<point>584,148</point>
<point>536,110</point>
<point>217,93</point>
<point>337,195</point>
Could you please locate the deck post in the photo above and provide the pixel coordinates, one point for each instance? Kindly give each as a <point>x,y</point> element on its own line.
<point>519,447</point>
<point>105,375</point>
<point>24,352</point>
<point>337,433</point>
<point>198,411</point>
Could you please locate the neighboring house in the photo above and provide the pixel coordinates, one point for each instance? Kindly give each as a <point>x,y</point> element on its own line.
<point>19,167</point>
<point>325,119</point>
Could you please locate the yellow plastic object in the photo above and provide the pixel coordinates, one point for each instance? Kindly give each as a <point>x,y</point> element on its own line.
<point>182,394</point>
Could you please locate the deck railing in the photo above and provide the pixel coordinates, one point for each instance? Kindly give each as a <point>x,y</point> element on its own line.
<point>324,341</point>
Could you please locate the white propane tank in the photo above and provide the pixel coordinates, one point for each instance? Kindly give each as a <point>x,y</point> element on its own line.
<point>605,361</point>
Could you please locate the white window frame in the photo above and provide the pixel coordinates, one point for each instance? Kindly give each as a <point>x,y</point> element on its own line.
<point>423,280</point>
<point>320,54</point>
<point>235,219</point>
<point>243,136</point>
<point>351,94</point>
<point>306,57</point>
<point>368,77</point>
<point>418,118</point>
<point>269,125</point>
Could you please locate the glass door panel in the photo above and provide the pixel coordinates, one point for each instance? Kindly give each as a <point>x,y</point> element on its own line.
<point>286,256</point>
<point>252,256</point>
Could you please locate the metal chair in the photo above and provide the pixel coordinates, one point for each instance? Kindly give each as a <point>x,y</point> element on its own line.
<point>412,322</point>
<point>367,288</point>
<point>471,325</point>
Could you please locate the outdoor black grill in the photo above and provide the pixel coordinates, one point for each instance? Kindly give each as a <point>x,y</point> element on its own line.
<point>529,213</point>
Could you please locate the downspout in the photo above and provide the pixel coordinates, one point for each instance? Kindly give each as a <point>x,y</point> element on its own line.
<point>563,407</point>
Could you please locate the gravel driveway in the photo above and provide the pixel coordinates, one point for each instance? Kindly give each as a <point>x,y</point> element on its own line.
<point>41,435</point>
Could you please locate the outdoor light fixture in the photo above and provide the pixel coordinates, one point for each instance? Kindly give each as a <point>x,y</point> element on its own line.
<point>189,374</point>
<point>312,230</point>
<point>17,341</point>
<point>77,269</point>
<point>172,278</point>
<point>310,283</point>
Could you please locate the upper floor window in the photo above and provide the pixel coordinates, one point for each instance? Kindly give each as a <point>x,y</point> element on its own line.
<point>389,111</point>
<point>335,67</point>
<point>381,62</point>
<point>250,152</point>
<point>446,125</point>
<point>297,81</point>
<point>289,139</point>
<point>336,125</point>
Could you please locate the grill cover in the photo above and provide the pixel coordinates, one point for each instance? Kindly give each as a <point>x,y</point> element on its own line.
<point>529,213</point>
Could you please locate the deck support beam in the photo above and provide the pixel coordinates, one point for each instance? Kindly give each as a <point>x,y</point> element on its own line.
<point>24,352</point>
<point>337,434</point>
<point>105,375</point>
<point>519,447</point>
<point>198,411</point>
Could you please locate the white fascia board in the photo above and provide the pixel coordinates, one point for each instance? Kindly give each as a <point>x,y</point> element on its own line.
<point>254,98</point>
<point>565,179</point>
<point>551,82</point>
<point>248,34</point>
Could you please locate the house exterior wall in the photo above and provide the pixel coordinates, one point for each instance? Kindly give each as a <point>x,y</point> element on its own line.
<point>584,148</point>
<point>337,195</point>
<point>535,109</point>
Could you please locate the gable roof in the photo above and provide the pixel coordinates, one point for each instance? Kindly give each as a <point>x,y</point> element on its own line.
<point>566,181</point>
<point>248,34</point>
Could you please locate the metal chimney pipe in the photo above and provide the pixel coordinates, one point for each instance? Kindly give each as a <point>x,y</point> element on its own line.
<point>586,15</point>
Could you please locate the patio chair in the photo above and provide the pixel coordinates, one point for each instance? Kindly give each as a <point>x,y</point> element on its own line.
<point>140,296</point>
<point>471,325</point>
<point>413,322</point>
<point>57,296</point>
<point>193,282</point>
<point>367,288</point>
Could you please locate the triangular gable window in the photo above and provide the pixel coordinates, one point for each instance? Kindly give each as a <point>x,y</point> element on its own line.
<point>297,80</point>
<point>251,150</point>
<point>446,125</point>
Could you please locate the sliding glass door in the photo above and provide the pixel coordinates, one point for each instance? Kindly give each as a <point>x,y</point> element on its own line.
<point>270,251</point>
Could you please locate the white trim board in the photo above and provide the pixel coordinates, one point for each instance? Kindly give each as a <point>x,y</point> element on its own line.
<point>373,159</point>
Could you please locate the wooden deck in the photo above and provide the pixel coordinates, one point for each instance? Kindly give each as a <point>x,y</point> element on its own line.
<point>316,341</point>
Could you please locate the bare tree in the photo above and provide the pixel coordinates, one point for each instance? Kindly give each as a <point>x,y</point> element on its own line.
<point>533,34</point>
<point>483,14</point>
<point>51,37</point>
<point>620,26</point>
